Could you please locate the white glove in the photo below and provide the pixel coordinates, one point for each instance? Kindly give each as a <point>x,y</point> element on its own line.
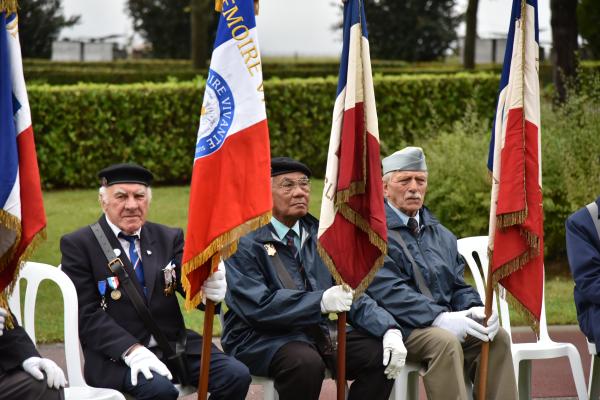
<point>493,324</point>
<point>394,353</point>
<point>461,325</point>
<point>3,314</point>
<point>55,377</point>
<point>215,286</point>
<point>336,299</point>
<point>143,360</point>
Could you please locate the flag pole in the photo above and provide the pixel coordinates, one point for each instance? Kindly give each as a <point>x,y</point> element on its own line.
<point>209,315</point>
<point>341,357</point>
<point>485,346</point>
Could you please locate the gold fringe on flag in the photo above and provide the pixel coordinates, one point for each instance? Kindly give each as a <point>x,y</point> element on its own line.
<point>514,218</point>
<point>8,6</point>
<point>224,246</point>
<point>11,223</point>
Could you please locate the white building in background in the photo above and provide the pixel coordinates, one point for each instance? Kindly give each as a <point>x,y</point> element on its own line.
<point>66,50</point>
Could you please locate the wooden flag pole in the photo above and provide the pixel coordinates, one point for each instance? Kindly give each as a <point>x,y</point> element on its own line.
<point>341,357</point>
<point>485,346</point>
<point>209,313</point>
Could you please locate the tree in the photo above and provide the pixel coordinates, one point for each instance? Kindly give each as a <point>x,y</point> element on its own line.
<point>588,15</point>
<point>40,23</point>
<point>470,35</point>
<point>200,19</point>
<point>564,42</point>
<point>411,30</point>
<point>165,24</point>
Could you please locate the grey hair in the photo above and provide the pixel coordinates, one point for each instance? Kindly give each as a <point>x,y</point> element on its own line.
<point>102,195</point>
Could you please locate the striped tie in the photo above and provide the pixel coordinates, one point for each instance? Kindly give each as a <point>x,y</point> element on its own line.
<point>136,261</point>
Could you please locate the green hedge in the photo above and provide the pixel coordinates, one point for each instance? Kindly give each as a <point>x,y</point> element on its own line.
<point>81,128</point>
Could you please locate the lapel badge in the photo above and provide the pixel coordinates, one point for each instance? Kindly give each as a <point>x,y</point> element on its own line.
<point>149,252</point>
<point>117,252</point>
<point>270,249</point>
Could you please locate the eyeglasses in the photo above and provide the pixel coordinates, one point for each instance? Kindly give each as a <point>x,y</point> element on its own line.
<point>288,185</point>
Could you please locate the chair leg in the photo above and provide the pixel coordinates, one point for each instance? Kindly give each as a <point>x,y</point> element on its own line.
<point>577,370</point>
<point>594,388</point>
<point>524,380</point>
<point>412,389</point>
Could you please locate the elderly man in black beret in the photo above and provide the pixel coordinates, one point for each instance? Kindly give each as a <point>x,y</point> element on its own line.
<point>126,271</point>
<point>280,296</point>
<point>422,285</point>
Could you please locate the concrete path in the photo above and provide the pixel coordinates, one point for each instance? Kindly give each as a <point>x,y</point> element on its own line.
<point>550,379</point>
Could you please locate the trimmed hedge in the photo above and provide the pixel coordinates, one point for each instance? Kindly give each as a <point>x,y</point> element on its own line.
<point>81,128</point>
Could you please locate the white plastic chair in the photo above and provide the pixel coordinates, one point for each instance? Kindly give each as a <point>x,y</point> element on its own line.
<point>522,353</point>
<point>406,385</point>
<point>594,383</point>
<point>34,273</point>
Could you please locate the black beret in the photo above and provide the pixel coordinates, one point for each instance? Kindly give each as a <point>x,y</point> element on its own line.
<point>283,165</point>
<point>125,173</point>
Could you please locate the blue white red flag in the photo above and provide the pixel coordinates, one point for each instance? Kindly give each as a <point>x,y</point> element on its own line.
<point>516,232</point>
<point>22,217</point>
<point>352,226</point>
<point>231,180</point>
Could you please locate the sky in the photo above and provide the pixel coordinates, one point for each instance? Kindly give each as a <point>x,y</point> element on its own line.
<point>286,27</point>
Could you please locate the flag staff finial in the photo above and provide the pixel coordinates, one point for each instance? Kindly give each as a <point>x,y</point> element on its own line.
<point>9,6</point>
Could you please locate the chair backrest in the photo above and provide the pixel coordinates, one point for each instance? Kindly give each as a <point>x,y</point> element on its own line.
<point>34,273</point>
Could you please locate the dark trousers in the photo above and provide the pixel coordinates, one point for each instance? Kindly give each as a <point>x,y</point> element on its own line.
<point>228,379</point>
<point>18,384</point>
<point>298,370</point>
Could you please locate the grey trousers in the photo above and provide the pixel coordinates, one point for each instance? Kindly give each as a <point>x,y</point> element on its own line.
<point>448,361</point>
<point>18,384</point>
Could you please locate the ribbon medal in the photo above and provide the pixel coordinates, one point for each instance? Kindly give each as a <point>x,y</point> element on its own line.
<point>102,290</point>
<point>113,282</point>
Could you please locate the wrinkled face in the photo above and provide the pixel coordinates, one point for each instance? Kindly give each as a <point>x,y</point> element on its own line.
<point>291,194</point>
<point>406,190</point>
<point>126,205</point>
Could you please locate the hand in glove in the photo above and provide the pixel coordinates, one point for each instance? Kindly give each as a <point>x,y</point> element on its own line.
<point>336,299</point>
<point>140,359</point>
<point>394,353</point>
<point>215,286</point>
<point>55,377</point>
<point>461,325</point>
<point>493,323</point>
<point>3,314</point>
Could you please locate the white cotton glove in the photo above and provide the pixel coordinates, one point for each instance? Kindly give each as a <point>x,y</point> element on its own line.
<point>143,360</point>
<point>394,353</point>
<point>337,299</point>
<point>3,314</point>
<point>493,324</point>
<point>215,286</point>
<point>55,377</point>
<point>459,323</point>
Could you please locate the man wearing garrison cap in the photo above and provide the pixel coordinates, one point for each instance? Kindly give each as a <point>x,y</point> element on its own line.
<point>121,347</point>
<point>280,297</point>
<point>422,285</point>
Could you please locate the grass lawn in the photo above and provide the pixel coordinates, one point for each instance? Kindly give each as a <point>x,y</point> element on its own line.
<point>68,210</point>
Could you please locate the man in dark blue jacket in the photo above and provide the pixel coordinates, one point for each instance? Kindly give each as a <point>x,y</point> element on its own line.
<point>583,250</point>
<point>280,294</point>
<point>422,285</point>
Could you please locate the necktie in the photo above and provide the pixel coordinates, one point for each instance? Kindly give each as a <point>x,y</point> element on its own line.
<point>413,225</point>
<point>290,236</point>
<point>136,261</point>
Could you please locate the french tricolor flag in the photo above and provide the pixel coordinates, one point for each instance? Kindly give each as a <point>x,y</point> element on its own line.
<point>352,226</point>
<point>516,231</point>
<point>231,180</point>
<point>22,217</point>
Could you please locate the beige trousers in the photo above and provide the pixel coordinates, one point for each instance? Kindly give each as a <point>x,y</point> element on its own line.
<point>447,363</point>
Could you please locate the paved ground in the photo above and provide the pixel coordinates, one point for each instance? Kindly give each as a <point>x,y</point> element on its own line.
<point>551,378</point>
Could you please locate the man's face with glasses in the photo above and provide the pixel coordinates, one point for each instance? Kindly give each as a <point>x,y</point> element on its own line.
<point>291,194</point>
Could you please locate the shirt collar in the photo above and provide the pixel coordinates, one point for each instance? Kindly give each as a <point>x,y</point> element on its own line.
<point>116,230</point>
<point>281,230</point>
<point>403,217</point>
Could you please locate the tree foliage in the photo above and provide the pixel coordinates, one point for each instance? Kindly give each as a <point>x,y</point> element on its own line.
<point>40,23</point>
<point>588,15</point>
<point>166,24</point>
<point>411,30</point>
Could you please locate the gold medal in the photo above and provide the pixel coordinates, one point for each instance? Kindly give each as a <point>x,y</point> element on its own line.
<point>115,294</point>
